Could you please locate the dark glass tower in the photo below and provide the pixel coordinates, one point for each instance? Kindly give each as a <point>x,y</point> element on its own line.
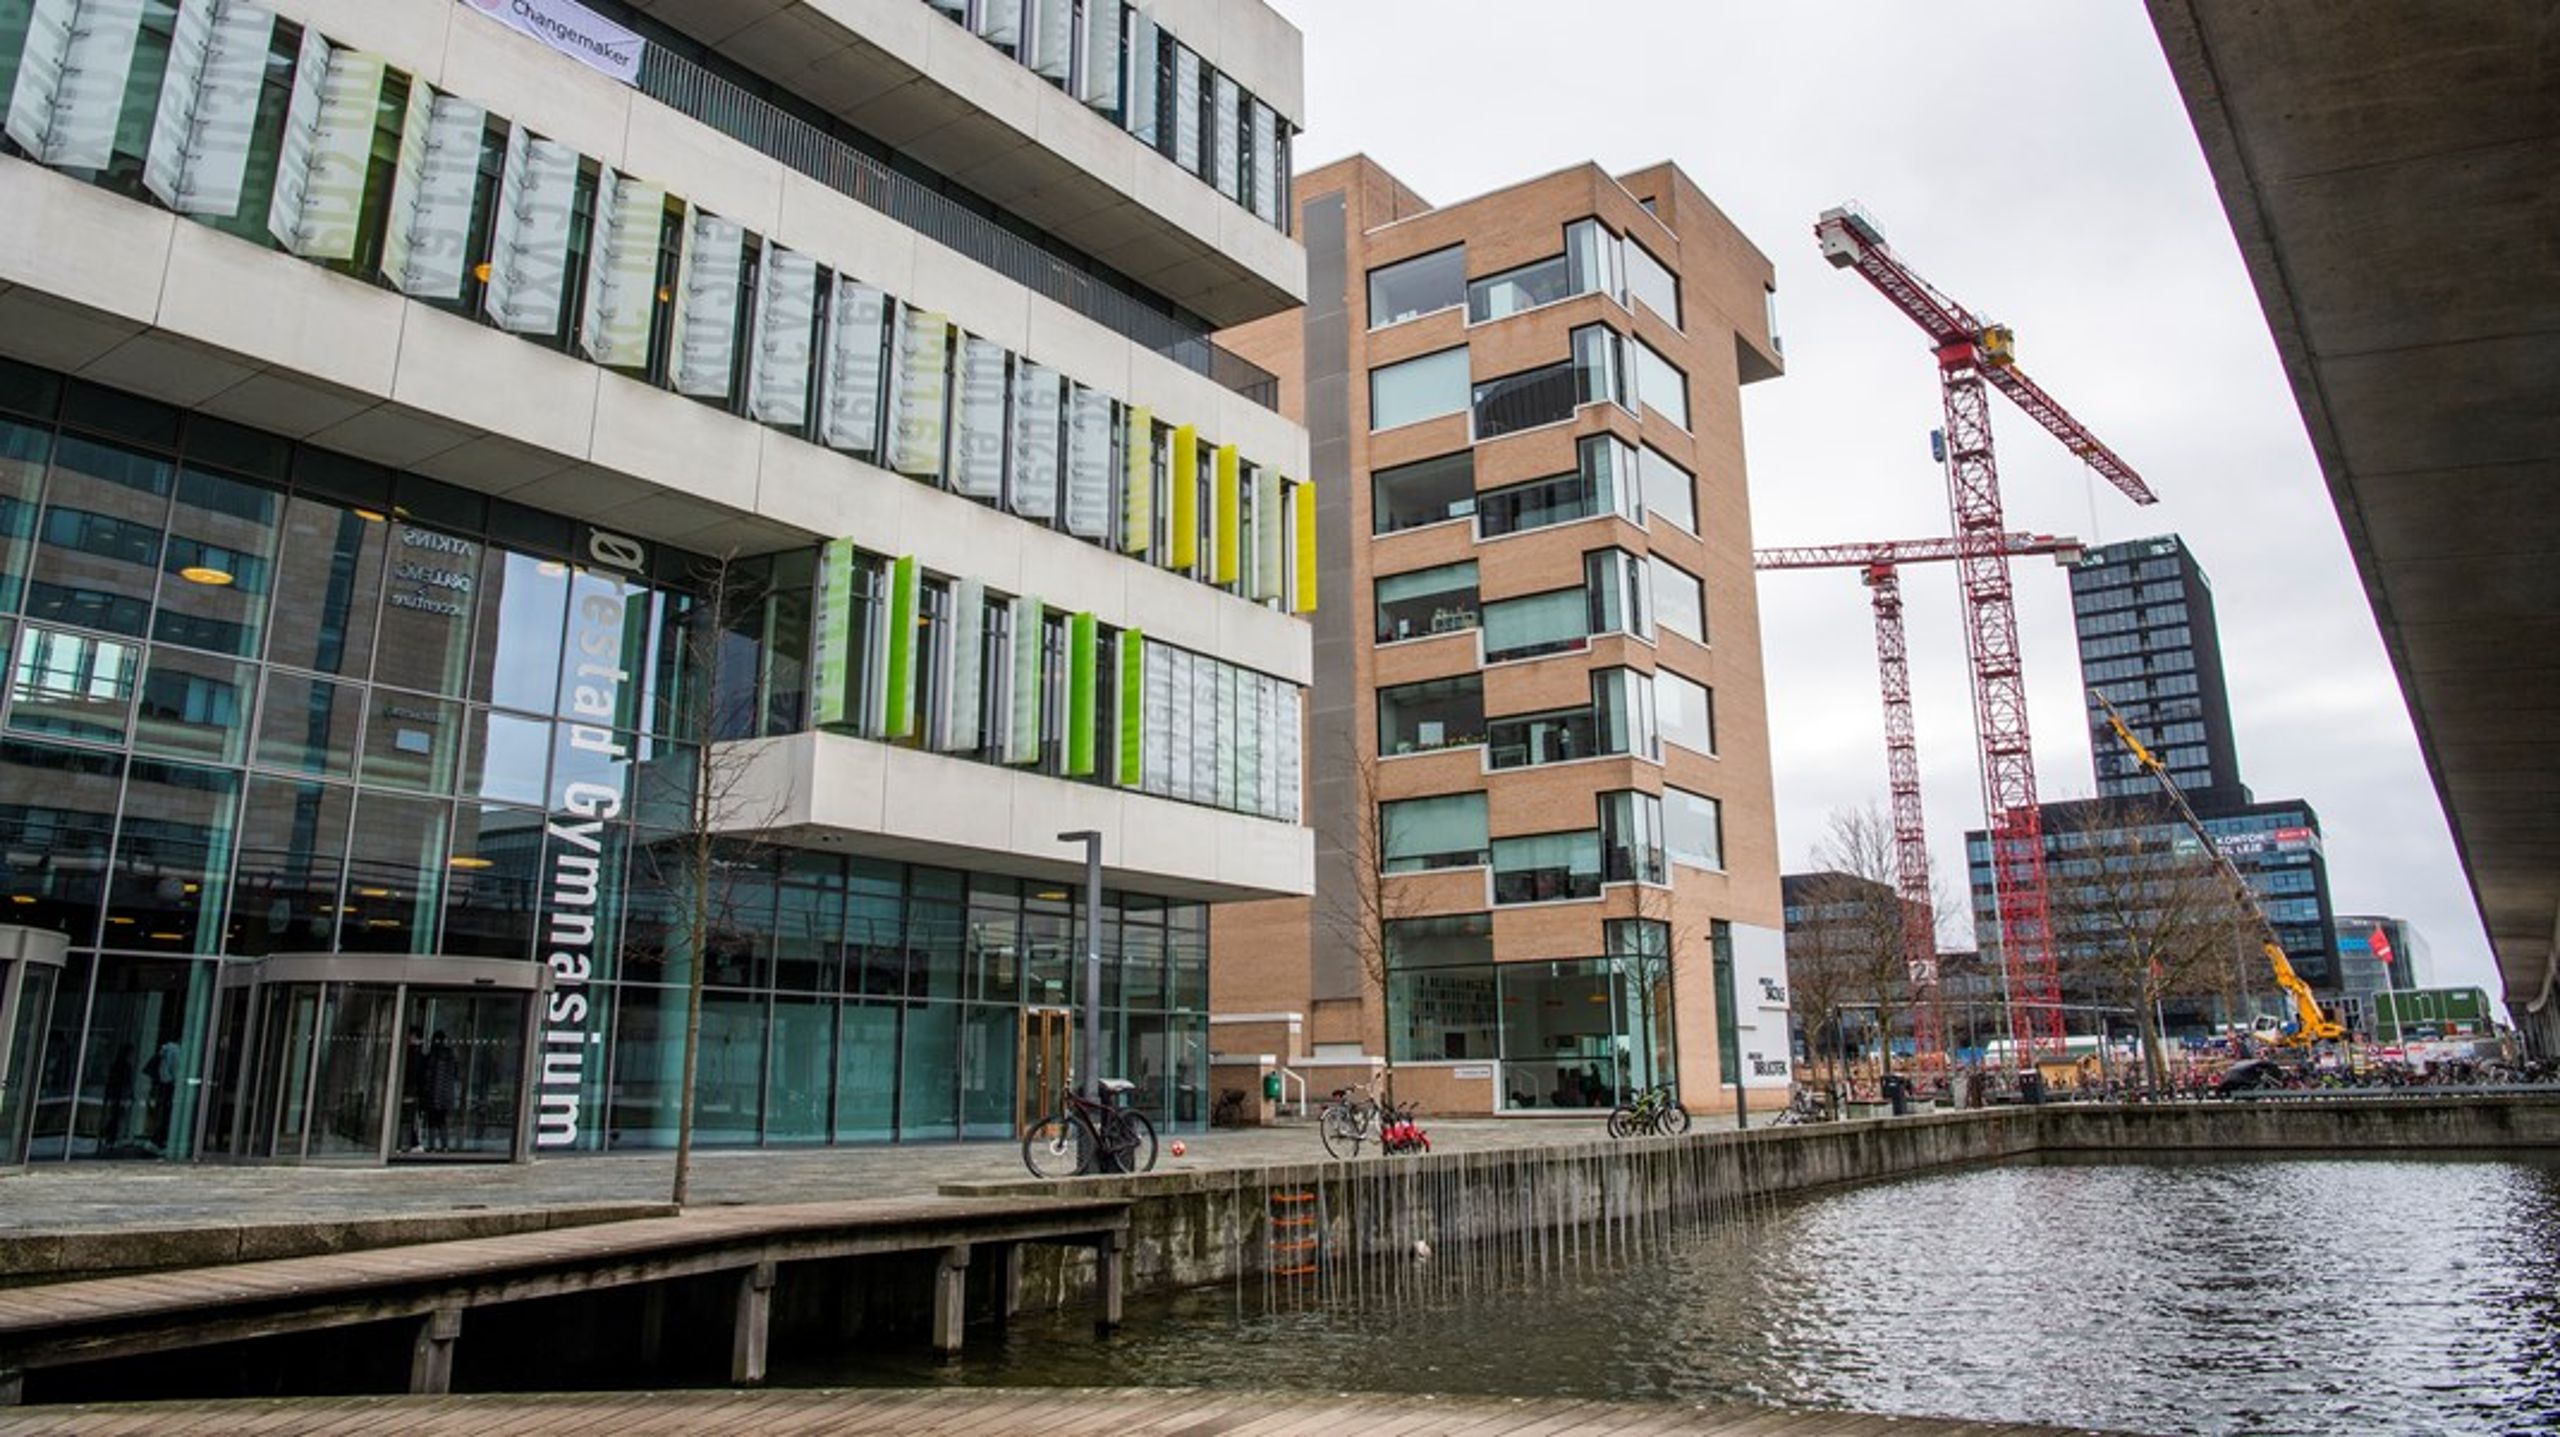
<point>2144,612</point>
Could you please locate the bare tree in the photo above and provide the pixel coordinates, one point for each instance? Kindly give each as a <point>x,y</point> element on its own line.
<point>1856,892</point>
<point>1358,915</point>
<point>1653,973</point>
<point>2145,915</point>
<point>716,863</point>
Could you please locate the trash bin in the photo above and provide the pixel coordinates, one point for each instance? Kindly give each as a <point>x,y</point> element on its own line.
<point>2031,1089</point>
<point>1897,1091</point>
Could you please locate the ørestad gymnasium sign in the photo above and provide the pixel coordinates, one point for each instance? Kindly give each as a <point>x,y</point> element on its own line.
<point>573,30</point>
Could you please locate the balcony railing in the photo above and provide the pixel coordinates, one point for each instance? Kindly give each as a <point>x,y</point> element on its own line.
<point>764,127</point>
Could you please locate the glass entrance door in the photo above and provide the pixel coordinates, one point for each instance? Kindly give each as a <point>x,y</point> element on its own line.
<point>1045,1060</point>
<point>26,1004</point>
<point>462,1075</point>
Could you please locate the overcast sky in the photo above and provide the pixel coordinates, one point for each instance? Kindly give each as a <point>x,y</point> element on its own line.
<point>2031,158</point>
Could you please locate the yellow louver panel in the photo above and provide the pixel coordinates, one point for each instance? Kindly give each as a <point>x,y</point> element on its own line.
<point>1306,504</point>
<point>1185,549</point>
<point>1228,516</point>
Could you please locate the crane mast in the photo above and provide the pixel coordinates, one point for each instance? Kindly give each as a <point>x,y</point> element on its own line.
<point>1974,357</point>
<point>1880,563</point>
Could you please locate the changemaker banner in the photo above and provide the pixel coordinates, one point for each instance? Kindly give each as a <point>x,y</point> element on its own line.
<point>573,30</point>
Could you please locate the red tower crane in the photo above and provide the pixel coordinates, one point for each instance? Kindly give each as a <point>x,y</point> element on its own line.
<point>1975,355</point>
<point>1881,562</point>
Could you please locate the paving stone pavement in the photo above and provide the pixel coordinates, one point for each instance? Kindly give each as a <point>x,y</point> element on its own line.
<point>91,1196</point>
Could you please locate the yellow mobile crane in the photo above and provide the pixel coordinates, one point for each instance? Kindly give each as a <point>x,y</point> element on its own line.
<point>2309,1024</point>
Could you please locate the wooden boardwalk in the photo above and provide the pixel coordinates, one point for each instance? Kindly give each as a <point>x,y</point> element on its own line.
<point>436,1283</point>
<point>1011,1412</point>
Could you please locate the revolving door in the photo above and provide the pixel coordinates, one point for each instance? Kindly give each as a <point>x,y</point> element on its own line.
<point>339,1058</point>
<point>31,961</point>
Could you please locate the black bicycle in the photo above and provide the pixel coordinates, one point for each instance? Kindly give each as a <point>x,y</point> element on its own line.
<point>1086,1136</point>
<point>1655,1111</point>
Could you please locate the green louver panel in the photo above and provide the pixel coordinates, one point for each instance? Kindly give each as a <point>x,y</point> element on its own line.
<point>1022,741</point>
<point>1083,661</point>
<point>832,703</point>
<point>906,583</point>
<point>1132,710</point>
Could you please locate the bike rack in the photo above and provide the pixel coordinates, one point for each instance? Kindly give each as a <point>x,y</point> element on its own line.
<point>1287,1077</point>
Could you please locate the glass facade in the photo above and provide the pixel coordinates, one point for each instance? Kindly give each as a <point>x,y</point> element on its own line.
<point>267,700</point>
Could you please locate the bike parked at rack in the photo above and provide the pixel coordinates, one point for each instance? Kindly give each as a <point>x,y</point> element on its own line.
<point>1086,1136</point>
<point>1655,1112</point>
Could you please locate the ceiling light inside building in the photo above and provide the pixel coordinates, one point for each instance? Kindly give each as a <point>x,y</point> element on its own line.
<point>205,574</point>
<point>469,860</point>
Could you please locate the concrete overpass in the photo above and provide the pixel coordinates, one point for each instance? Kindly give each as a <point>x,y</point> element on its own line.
<point>2392,172</point>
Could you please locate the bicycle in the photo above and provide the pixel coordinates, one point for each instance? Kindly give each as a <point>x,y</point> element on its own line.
<point>1655,1111</point>
<point>1086,1136</point>
<point>1802,1107</point>
<point>1348,1121</point>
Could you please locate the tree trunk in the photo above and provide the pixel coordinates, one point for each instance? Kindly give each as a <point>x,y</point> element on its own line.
<point>699,935</point>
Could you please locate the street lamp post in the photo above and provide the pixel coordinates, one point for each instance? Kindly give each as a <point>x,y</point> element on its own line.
<point>1092,1066</point>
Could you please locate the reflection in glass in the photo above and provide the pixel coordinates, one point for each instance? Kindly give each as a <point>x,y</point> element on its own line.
<point>1427,601</point>
<point>309,725</point>
<point>72,685</point>
<point>194,706</point>
<point>427,607</point>
<point>516,661</point>
<point>331,567</point>
<point>867,1072</point>
<point>57,821</point>
<point>802,1071</point>
<point>220,563</point>
<point>505,757</point>
<point>728,1090</point>
<point>293,842</point>
<point>468,1075</point>
<point>352,1079</point>
<point>139,1065</point>
<point>492,880</point>
<point>648,1065</point>
<point>173,858</point>
<point>411,741</point>
<point>23,449</point>
<point>929,1072</point>
<point>1422,285</point>
<point>1546,867</point>
<point>98,555</point>
<point>395,875</point>
<point>1424,492</point>
<point>987,1039</point>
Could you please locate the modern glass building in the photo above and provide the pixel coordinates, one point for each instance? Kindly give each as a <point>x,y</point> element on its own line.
<point>496,524</point>
<point>2150,644</point>
<point>1547,872</point>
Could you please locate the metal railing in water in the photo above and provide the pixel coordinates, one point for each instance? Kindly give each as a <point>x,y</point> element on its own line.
<point>768,129</point>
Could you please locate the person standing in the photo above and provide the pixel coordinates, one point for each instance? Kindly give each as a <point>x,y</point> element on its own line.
<point>413,1094</point>
<point>443,1092</point>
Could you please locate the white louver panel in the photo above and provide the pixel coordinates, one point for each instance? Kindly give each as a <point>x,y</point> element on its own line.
<point>786,322</point>
<point>1270,524</point>
<point>1089,467</point>
<point>1000,21</point>
<point>622,272</point>
<point>1035,442</point>
<point>1266,163</point>
<point>1141,78</point>
<point>1156,763</point>
<point>968,665</point>
<point>1022,733</point>
<point>529,235</point>
<point>1050,38</point>
<point>1099,84</point>
<point>706,320</point>
<point>328,142</point>
<point>915,420</point>
<point>72,71</point>
<point>431,187</point>
<point>1225,157</point>
<point>977,450</point>
<point>208,106</point>
<point>1188,730</point>
<point>1291,742</point>
<point>1186,108</point>
<point>856,337</point>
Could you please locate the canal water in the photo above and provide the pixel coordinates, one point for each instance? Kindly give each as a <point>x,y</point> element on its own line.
<point>2285,1296</point>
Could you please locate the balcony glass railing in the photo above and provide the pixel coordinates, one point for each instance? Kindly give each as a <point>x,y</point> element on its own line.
<point>764,127</point>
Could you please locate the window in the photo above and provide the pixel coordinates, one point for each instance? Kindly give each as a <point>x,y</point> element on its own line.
<point>1525,400</point>
<point>1514,290</point>
<point>1419,834</point>
<point>1679,600</point>
<point>1602,482</point>
<point>1592,253</point>
<point>1669,490</point>
<point>1530,739</point>
<point>1418,389</point>
<point>1426,492</point>
<point>1549,623</point>
<point>1652,283</point>
<point>1442,1002</point>
<point>1426,602</point>
<point>1622,700</point>
<point>1547,867</point>
<point>1422,285</point>
<point>1631,837</point>
<point>1599,366</point>
<point>1687,709</point>
<point>1661,383</point>
<point>1616,583</point>
<point>1693,828</point>
<point>1441,713</point>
